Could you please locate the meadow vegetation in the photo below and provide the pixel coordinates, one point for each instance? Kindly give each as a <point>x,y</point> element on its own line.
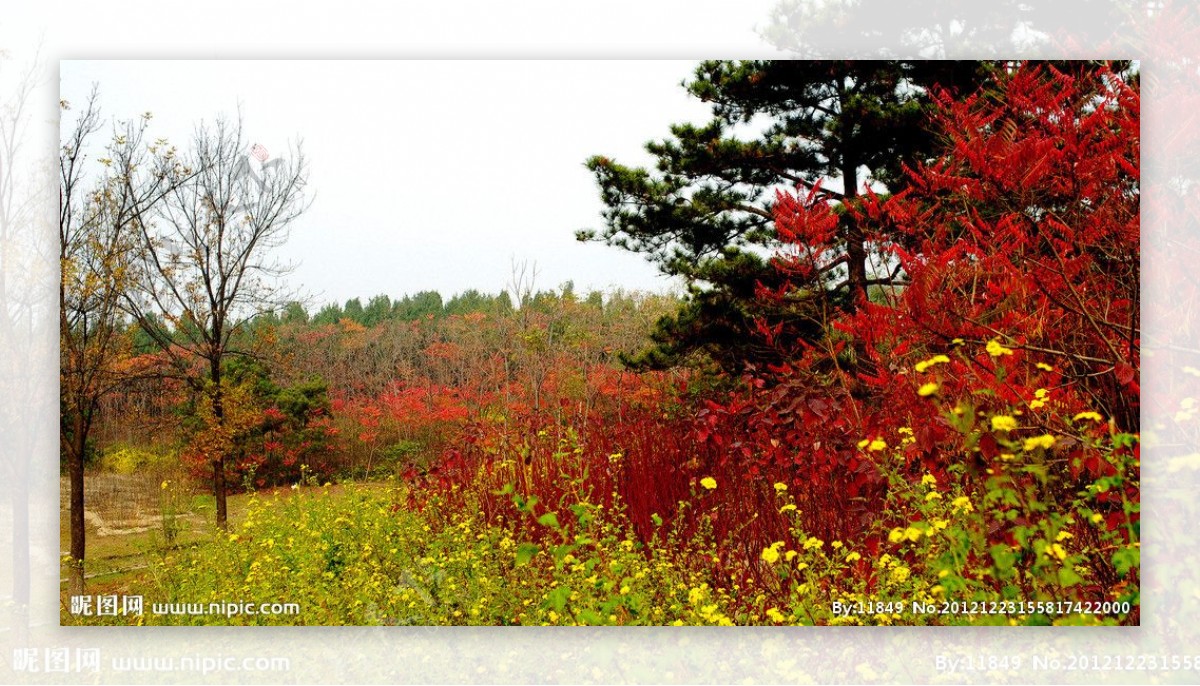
<point>959,449</point>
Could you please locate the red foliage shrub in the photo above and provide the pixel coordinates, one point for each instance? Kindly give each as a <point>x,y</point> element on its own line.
<point>1020,251</point>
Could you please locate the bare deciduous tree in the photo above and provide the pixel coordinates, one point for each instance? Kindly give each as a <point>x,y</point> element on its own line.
<point>206,266</point>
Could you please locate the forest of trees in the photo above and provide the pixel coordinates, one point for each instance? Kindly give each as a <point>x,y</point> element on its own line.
<point>905,365</point>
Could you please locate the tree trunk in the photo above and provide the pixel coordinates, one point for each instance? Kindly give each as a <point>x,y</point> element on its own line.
<point>856,257</point>
<point>856,252</point>
<point>219,490</point>
<point>75,457</point>
<point>218,407</point>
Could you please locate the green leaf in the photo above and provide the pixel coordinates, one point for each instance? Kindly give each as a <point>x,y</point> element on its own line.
<point>1126,559</point>
<point>1067,577</point>
<point>1123,440</point>
<point>549,519</point>
<point>583,513</point>
<point>562,550</point>
<point>557,598</point>
<point>525,553</point>
<point>1002,557</point>
<point>591,617</point>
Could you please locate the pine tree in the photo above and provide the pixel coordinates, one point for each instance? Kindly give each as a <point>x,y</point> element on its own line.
<point>705,212</point>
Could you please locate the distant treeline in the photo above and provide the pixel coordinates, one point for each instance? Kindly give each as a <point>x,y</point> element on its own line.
<point>424,304</point>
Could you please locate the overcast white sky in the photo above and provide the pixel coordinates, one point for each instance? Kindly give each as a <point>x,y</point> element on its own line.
<point>426,174</point>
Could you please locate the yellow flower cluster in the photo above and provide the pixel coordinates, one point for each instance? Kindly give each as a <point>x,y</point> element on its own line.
<point>1002,422</point>
<point>1039,399</point>
<point>911,533</point>
<point>926,364</point>
<point>995,349</point>
<point>1045,441</point>
<point>771,554</point>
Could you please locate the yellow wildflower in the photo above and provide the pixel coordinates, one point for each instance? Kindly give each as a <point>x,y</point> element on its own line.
<point>1057,551</point>
<point>900,573</point>
<point>1097,518</point>
<point>1094,416</point>
<point>708,482</point>
<point>1063,535</point>
<point>1002,422</point>
<point>896,535</point>
<point>995,349</point>
<point>780,487</point>
<point>932,495</point>
<point>877,445</point>
<point>963,503</point>
<point>853,557</point>
<point>927,389</point>
<point>929,480</point>
<point>912,533</point>
<point>771,554</point>
<point>926,364</point>
<point>776,616</point>
<point>1045,367</point>
<point>787,508</point>
<point>1043,441</point>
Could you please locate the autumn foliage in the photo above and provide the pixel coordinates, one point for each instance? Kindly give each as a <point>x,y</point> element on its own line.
<point>1016,330</point>
<point>968,430</point>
